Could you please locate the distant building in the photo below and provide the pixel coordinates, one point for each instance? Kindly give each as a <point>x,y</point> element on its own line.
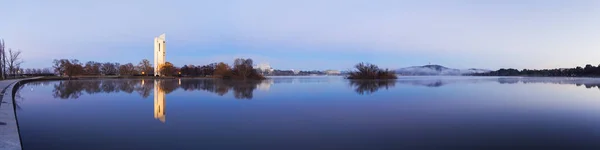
<point>264,68</point>
<point>295,71</point>
<point>159,53</point>
<point>333,72</point>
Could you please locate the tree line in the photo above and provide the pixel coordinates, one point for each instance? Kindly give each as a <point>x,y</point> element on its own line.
<point>587,71</point>
<point>242,69</point>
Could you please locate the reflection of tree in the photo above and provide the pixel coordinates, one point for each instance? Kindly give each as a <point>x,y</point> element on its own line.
<point>371,86</point>
<point>241,89</point>
<point>72,89</point>
<point>508,80</point>
<point>427,83</point>
<point>68,89</point>
<point>145,87</point>
<point>438,82</point>
<point>168,85</point>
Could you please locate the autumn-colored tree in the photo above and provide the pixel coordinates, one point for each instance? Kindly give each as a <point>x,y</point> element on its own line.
<point>68,67</point>
<point>167,69</point>
<point>222,70</point>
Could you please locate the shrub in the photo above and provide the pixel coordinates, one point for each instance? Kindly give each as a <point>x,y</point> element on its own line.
<point>370,71</point>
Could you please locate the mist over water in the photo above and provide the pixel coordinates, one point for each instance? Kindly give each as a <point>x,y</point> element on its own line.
<point>312,113</point>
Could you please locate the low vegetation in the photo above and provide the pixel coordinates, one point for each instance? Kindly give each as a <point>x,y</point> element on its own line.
<point>370,71</point>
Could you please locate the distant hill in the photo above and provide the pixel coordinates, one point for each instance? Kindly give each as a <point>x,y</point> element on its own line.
<point>434,70</point>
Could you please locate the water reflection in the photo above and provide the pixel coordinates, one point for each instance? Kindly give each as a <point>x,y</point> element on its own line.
<point>159,102</point>
<point>241,89</point>
<point>441,81</point>
<point>73,89</point>
<point>371,86</point>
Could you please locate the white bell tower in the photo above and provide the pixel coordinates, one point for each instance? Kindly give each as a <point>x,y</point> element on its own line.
<point>159,53</point>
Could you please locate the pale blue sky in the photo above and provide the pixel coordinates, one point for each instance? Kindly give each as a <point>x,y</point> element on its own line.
<point>309,34</point>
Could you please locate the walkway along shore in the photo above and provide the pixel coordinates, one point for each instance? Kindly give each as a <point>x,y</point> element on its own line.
<point>9,127</point>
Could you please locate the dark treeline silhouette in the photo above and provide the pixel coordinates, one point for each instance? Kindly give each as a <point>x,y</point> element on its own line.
<point>371,86</point>
<point>587,71</point>
<point>370,71</point>
<point>73,89</point>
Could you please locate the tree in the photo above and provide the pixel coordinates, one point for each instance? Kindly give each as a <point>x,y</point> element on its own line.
<point>243,67</point>
<point>68,67</point>
<point>92,68</point>
<point>207,69</point>
<point>370,71</point>
<point>110,68</point>
<point>127,69</point>
<point>167,69</point>
<point>45,71</point>
<point>2,58</point>
<point>144,67</point>
<point>59,67</point>
<point>222,70</point>
<point>187,71</point>
<point>14,61</point>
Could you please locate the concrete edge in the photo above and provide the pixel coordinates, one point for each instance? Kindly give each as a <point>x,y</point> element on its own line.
<point>9,132</point>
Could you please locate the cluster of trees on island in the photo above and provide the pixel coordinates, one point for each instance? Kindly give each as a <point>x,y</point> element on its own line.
<point>587,71</point>
<point>371,71</point>
<point>242,69</point>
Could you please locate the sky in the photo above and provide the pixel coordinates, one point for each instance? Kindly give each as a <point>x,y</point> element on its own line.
<point>309,34</point>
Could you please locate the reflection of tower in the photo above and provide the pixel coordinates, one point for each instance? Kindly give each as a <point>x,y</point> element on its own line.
<point>265,85</point>
<point>159,102</point>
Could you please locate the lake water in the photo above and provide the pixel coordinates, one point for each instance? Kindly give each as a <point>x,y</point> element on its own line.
<point>305,113</point>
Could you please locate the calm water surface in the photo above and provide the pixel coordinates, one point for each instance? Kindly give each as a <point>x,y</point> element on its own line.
<point>312,113</point>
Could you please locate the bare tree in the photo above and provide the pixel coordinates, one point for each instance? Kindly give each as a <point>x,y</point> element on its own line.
<point>243,67</point>
<point>144,67</point>
<point>92,68</point>
<point>58,66</point>
<point>127,69</point>
<point>14,61</point>
<point>45,71</point>
<point>110,68</point>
